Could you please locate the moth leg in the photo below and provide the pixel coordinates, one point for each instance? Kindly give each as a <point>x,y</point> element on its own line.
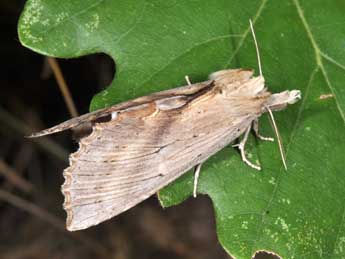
<point>196,178</point>
<point>187,80</point>
<point>241,146</point>
<point>256,131</point>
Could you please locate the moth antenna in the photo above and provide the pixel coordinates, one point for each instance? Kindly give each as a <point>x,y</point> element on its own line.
<point>280,144</point>
<point>256,46</point>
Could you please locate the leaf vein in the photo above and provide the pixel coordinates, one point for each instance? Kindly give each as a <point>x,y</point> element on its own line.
<point>332,60</point>
<point>318,55</point>
<point>256,16</point>
<point>279,176</point>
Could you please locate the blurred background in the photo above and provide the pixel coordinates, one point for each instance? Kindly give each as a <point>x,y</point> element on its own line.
<point>32,221</point>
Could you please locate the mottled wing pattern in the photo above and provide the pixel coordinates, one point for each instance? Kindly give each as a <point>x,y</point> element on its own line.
<point>128,159</point>
<point>187,90</point>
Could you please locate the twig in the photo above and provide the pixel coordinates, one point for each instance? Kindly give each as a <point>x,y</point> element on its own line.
<point>53,220</point>
<point>11,175</point>
<point>45,143</point>
<point>63,86</point>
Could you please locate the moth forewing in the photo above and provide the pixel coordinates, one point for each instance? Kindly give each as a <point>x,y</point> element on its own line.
<point>128,159</point>
<point>150,141</point>
<point>188,90</point>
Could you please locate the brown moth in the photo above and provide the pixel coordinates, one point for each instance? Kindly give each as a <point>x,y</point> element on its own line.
<point>139,146</point>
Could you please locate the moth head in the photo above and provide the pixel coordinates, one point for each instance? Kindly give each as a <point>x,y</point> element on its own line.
<point>279,101</point>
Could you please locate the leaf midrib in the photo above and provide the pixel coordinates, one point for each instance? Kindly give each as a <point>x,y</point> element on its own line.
<point>319,65</point>
<point>318,55</point>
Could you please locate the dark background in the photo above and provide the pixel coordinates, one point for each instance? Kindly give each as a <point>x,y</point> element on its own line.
<point>31,214</point>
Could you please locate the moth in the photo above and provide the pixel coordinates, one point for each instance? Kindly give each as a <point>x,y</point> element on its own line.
<point>139,146</point>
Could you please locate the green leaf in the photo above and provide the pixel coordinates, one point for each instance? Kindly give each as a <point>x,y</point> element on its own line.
<point>155,43</point>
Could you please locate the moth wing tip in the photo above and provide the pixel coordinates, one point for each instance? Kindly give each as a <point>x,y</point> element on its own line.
<point>73,227</point>
<point>77,223</point>
<point>71,223</point>
<point>33,135</point>
<point>70,228</point>
<point>38,134</point>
